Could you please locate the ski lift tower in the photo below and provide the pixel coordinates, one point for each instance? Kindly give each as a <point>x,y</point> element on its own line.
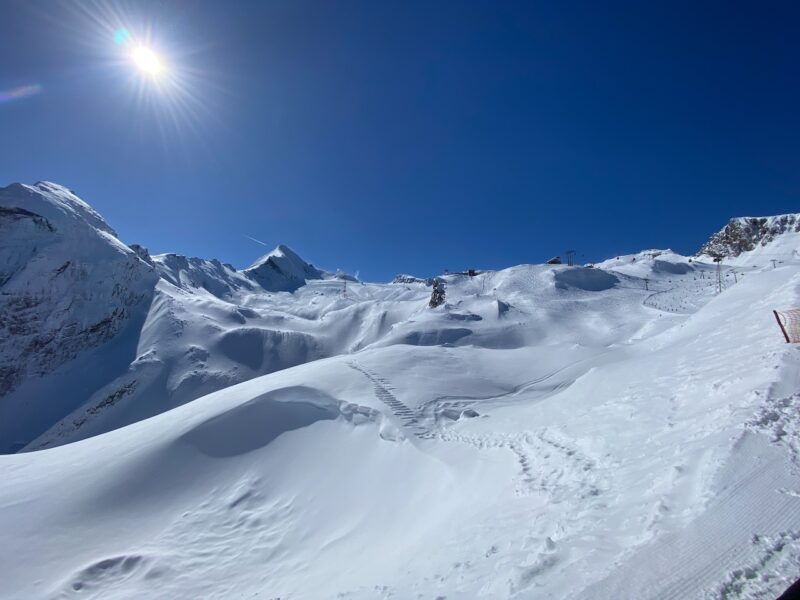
<point>570,258</point>
<point>718,260</point>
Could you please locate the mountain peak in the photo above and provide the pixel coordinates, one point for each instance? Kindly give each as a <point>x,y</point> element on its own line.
<point>281,251</point>
<point>282,269</point>
<point>54,202</point>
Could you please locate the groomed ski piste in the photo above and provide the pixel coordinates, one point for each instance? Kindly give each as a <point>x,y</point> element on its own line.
<point>620,431</point>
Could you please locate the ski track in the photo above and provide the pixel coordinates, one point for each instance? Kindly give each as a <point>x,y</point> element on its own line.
<point>552,468</point>
<point>533,452</point>
<point>408,418</point>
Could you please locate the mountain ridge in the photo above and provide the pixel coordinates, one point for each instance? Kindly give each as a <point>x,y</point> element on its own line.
<point>186,326</point>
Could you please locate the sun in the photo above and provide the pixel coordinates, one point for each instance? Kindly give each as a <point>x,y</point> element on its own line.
<point>148,61</point>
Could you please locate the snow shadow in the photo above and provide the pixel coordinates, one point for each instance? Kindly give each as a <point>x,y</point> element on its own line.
<point>259,421</point>
<point>435,337</point>
<point>663,266</point>
<point>588,279</point>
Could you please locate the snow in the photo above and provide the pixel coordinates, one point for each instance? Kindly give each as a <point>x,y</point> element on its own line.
<point>69,287</point>
<point>783,249</point>
<point>282,269</point>
<point>621,431</point>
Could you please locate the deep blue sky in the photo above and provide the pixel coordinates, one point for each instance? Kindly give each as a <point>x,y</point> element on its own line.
<point>405,136</point>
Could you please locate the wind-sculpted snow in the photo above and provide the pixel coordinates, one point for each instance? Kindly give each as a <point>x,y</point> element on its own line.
<point>623,431</point>
<point>257,422</point>
<point>210,326</point>
<point>657,468</point>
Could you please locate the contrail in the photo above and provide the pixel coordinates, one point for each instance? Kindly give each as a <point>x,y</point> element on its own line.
<point>255,240</point>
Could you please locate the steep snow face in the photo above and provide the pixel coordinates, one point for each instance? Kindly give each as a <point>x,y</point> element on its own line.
<point>744,235</point>
<point>67,285</point>
<point>282,270</point>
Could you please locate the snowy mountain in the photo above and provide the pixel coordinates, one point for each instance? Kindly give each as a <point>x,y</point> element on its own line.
<point>212,276</point>
<point>67,283</point>
<point>67,287</point>
<point>281,269</point>
<point>157,331</point>
<point>744,235</point>
<point>627,430</point>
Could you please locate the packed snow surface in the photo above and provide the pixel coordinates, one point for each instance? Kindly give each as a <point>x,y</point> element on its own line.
<point>630,430</point>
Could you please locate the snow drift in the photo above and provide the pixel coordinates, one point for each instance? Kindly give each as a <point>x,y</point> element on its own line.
<point>624,431</point>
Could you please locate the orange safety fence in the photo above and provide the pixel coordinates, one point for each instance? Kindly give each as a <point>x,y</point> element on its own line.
<point>789,322</point>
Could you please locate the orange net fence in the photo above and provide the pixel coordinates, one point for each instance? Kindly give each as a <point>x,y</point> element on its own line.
<point>789,322</point>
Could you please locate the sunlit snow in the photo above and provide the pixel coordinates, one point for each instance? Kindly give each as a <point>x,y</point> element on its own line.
<point>605,432</point>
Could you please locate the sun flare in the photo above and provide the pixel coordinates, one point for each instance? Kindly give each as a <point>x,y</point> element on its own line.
<point>148,61</point>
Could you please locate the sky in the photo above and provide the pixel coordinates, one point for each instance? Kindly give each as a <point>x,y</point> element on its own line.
<point>386,137</point>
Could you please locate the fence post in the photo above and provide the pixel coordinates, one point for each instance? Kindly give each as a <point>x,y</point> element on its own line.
<point>778,319</point>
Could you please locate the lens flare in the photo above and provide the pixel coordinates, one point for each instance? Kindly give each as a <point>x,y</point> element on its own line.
<point>20,92</point>
<point>121,36</point>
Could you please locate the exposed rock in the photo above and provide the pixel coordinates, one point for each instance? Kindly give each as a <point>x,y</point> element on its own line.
<point>411,279</point>
<point>437,295</point>
<point>745,233</point>
<point>142,253</point>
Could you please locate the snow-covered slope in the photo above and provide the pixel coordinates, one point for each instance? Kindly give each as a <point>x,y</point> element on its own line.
<point>95,334</point>
<point>591,465</point>
<point>212,276</point>
<point>67,287</point>
<point>628,430</point>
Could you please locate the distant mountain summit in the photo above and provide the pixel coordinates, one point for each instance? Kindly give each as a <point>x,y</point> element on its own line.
<point>745,234</point>
<point>282,270</point>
